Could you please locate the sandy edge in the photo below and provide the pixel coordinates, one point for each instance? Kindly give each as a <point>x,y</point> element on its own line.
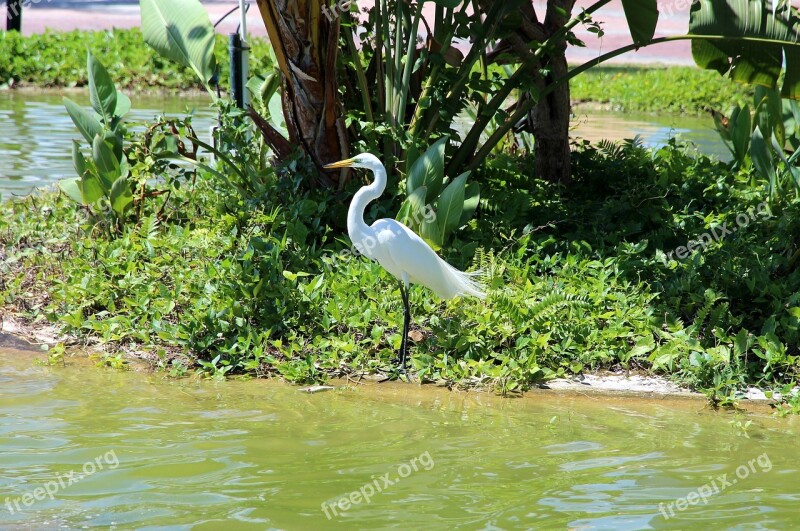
<point>642,385</point>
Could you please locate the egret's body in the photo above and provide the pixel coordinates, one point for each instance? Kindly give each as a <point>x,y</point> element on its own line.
<point>398,249</point>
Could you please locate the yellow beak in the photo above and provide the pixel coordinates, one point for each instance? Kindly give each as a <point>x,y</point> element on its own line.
<point>341,164</point>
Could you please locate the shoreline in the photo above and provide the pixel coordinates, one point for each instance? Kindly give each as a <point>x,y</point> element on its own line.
<point>21,335</point>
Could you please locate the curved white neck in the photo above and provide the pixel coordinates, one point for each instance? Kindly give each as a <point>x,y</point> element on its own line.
<point>355,215</point>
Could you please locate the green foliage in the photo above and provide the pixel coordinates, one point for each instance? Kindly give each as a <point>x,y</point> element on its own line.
<point>116,183</point>
<point>56,59</point>
<point>181,31</point>
<point>767,139</point>
<point>103,180</point>
<point>677,89</point>
<point>754,45</point>
<point>579,279</point>
<point>433,207</point>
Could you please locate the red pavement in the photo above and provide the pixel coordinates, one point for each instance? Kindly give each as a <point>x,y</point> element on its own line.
<point>42,15</point>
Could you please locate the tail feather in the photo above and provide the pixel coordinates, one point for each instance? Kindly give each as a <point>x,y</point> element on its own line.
<point>461,283</point>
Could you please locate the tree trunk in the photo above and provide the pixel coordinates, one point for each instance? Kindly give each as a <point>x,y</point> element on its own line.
<point>549,120</point>
<point>306,44</point>
<point>14,15</point>
<point>549,123</point>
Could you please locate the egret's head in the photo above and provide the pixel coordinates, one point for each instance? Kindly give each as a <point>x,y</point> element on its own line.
<point>364,160</point>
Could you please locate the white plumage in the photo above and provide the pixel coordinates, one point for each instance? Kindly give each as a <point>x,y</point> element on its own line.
<point>398,249</point>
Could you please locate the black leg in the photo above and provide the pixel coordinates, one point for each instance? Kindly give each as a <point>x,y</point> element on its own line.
<point>406,323</point>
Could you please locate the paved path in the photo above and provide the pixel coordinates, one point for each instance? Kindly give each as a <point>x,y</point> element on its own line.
<point>39,15</point>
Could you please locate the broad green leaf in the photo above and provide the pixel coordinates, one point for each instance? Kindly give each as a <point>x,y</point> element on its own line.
<point>412,154</point>
<point>91,188</point>
<point>741,131</point>
<point>428,171</point>
<point>262,88</point>
<point>769,113</point>
<point>78,160</point>
<point>121,196</point>
<point>102,92</point>
<point>71,188</point>
<point>762,159</point>
<point>758,37</point>
<point>451,206</point>
<point>642,17</point>
<point>106,163</point>
<point>429,231</point>
<point>791,168</point>
<point>123,105</point>
<point>412,210</point>
<point>275,115</point>
<point>85,121</point>
<point>472,197</point>
<point>180,30</point>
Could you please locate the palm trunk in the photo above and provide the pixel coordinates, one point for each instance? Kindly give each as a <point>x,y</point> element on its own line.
<point>306,42</point>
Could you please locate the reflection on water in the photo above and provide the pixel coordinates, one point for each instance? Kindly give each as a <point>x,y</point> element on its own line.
<point>36,144</point>
<point>654,131</point>
<point>37,134</point>
<point>260,455</point>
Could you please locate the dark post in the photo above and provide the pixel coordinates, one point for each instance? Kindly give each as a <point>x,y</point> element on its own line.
<point>237,87</point>
<point>14,15</point>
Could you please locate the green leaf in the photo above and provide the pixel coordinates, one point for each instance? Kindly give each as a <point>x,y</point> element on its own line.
<point>71,188</point>
<point>121,196</point>
<point>91,188</point>
<point>181,31</point>
<point>263,87</point>
<point>275,115</point>
<point>78,160</point>
<point>85,121</point>
<point>412,210</point>
<point>642,17</point>
<point>123,105</point>
<point>762,159</point>
<point>428,171</point>
<point>472,197</point>
<point>792,169</point>
<point>741,131</point>
<point>106,163</point>
<point>769,113</point>
<point>429,231</point>
<point>102,92</point>
<point>451,207</point>
<point>758,37</point>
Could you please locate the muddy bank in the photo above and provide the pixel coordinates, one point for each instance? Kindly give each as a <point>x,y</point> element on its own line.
<point>18,334</point>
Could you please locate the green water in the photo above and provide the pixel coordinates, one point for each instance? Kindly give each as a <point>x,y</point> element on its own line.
<point>233,455</point>
<point>37,133</point>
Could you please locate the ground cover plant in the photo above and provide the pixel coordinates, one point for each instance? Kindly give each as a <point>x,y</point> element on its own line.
<point>237,266</point>
<point>673,89</point>
<point>580,279</point>
<point>58,59</point>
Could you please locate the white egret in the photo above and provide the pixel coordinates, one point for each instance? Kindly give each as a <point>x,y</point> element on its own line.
<point>398,249</point>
